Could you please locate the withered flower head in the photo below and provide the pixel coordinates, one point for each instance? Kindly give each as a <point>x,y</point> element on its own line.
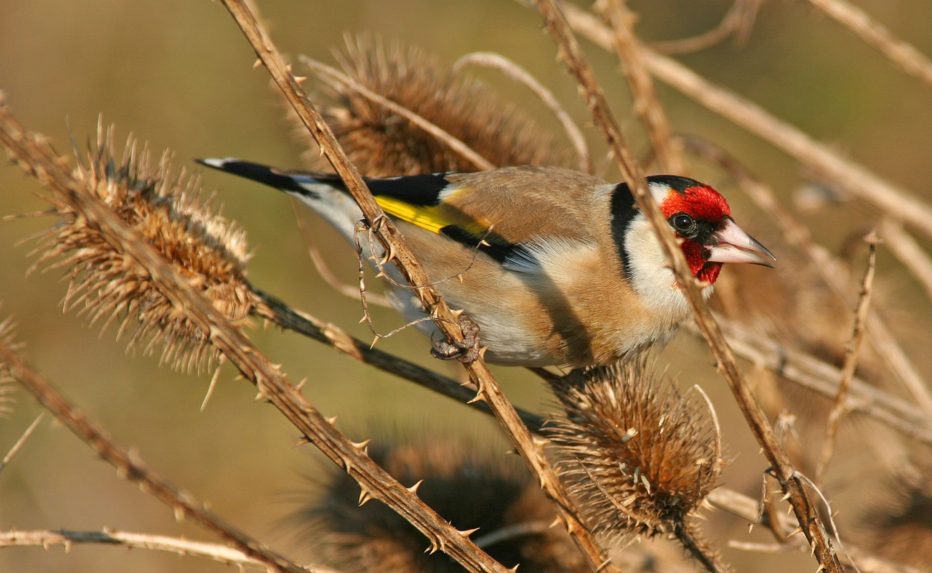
<point>637,457</point>
<point>382,143</point>
<point>468,488</point>
<point>169,212</point>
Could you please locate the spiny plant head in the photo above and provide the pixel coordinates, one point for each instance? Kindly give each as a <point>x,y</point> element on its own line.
<point>636,456</point>
<point>169,212</point>
<point>7,387</point>
<point>901,527</point>
<point>467,488</point>
<point>382,143</point>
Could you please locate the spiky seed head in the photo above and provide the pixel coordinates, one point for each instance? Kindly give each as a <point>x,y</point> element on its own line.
<point>467,487</point>
<point>382,143</point>
<point>172,215</point>
<point>636,456</point>
<point>900,527</point>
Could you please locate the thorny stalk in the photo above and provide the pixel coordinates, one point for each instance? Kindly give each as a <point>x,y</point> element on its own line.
<point>397,251</point>
<point>852,351</point>
<point>40,160</point>
<point>519,74</point>
<point>646,102</point>
<point>903,55</point>
<point>130,467</point>
<point>832,271</point>
<point>844,172</point>
<point>786,475</point>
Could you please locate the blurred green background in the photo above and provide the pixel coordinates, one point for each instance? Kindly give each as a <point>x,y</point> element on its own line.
<point>178,74</point>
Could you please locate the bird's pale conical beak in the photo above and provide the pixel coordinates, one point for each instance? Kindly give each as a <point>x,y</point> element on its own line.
<point>736,246</point>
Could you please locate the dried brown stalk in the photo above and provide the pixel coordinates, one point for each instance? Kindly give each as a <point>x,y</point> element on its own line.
<point>852,351</point>
<point>397,251</point>
<point>333,74</point>
<point>521,75</point>
<point>738,22</point>
<point>44,163</point>
<point>147,541</point>
<point>646,102</point>
<point>18,445</point>
<point>781,466</point>
<point>851,176</point>
<point>903,55</point>
<point>833,272</point>
<point>131,468</point>
<point>908,251</point>
<point>332,335</point>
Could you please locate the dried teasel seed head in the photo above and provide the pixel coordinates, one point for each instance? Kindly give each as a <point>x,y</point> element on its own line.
<point>170,213</point>
<point>382,143</point>
<point>469,488</point>
<point>636,456</point>
<point>900,527</point>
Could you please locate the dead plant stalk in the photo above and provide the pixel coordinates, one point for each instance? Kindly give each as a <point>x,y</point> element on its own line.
<point>781,466</point>
<point>398,252</point>
<point>40,160</point>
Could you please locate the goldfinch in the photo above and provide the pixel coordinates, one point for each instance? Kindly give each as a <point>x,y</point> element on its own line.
<point>556,267</point>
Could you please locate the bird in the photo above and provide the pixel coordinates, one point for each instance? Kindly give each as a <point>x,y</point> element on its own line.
<point>556,267</point>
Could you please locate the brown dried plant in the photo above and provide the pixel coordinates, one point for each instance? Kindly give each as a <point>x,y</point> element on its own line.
<point>900,526</point>
<point>637,457</point>
<point>467,485</point>
<point>382,143</point>
<point>7,387</point>
<point>169,211</point>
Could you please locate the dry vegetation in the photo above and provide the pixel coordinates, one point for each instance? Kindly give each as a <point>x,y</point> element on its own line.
<point>626,457</point>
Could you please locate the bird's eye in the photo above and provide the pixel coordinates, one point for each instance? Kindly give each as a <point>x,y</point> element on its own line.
<point>683,223</point>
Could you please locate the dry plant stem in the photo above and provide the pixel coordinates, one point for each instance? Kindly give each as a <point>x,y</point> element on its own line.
<point>698,550</point>
<point>289,318</point>
<point>40,160</point>
<point>21,441</point>
<point>822,378</point>
<point>131,468</point>
<point>65,538</point>
<point>833,272</point>
<point>852,351</point>
<point>747,508</point>
<point>519,74</point>
<point>452,142</point>
<point>738,22</point>
<point>398,252</point>
<point>646,103</point>
<point>902,54</point>
<point>849,175</point>
<point>781,466</point>
<point>908,251</point>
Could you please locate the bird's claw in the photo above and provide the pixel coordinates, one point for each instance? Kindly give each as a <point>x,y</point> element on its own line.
<point>467,351</point>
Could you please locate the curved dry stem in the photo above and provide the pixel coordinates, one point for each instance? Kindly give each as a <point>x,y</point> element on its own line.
<point>517,73</point>
<point>903,55</point>
<point>738,22</point>
<point>572,55</point>
<point>434,130</point>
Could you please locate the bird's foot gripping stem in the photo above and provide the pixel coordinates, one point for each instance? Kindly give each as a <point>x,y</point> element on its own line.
<point>467,351</point>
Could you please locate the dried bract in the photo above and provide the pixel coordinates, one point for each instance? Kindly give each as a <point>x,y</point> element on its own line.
<point>468,488</point>
<point>637,457</point>
<point>106,284</point>
<point>382,143</point>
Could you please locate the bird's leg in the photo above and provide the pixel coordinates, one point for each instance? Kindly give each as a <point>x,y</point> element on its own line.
<point>467,351</point>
